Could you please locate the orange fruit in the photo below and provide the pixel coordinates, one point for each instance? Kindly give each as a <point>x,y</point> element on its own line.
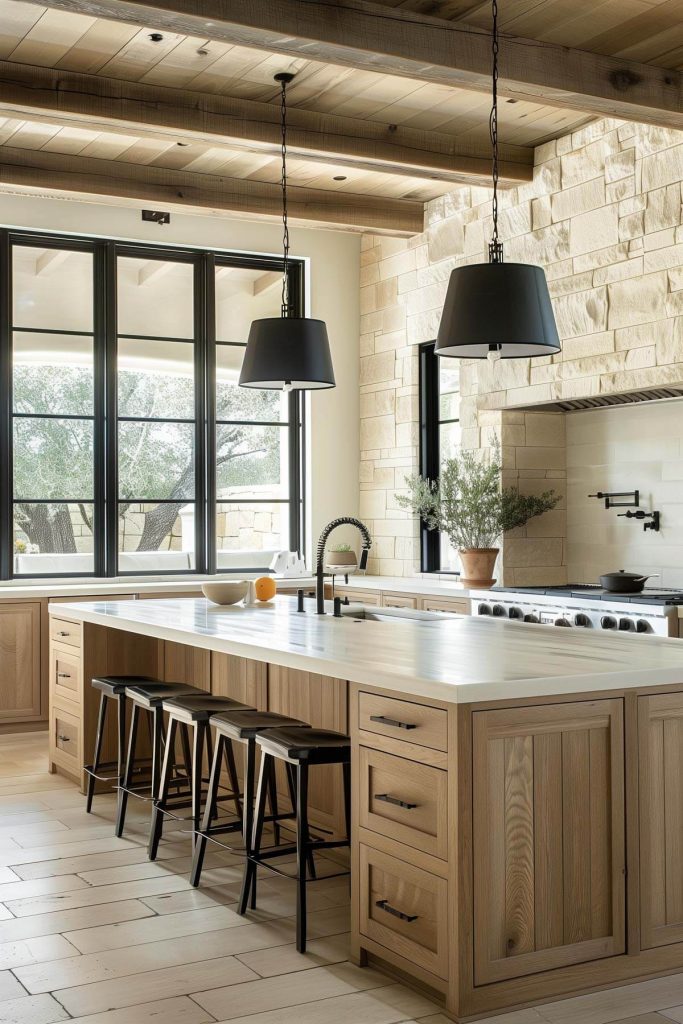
<point>265,588</point>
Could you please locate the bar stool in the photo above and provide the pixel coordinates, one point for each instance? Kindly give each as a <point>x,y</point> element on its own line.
<point>300,748</point>
<point>241,727</point>
<point>112,688</point>
<point>147,699</point>
<point>191,712</point>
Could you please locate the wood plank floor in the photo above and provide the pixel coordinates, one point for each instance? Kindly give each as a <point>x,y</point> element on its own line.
<point>91,931</point>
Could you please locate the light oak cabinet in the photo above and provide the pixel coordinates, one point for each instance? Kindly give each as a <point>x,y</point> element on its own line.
<point>548,837</point>
<point>660,762</point>
<point>20,647</point>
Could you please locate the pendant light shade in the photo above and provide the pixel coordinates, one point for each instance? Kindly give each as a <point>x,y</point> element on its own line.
<point>497,307</point>
<point>287,352</point>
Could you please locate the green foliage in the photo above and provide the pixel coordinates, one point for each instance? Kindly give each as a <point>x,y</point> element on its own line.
<point>468,504</point>
<point>338,548</point>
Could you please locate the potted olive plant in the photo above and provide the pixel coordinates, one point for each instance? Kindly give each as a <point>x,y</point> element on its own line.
<point>468,504</point>
<point>342,557</point>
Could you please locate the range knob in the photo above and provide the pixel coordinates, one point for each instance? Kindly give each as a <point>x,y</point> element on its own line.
<point>516,613</point>
<point>626,625</point>
<point>499,611</point>
<point>643,626</point>
<point>531,618</point>
<point>484,609</point>
<point>562,622</point>
<point>582,620</point>
<point>608,622</point>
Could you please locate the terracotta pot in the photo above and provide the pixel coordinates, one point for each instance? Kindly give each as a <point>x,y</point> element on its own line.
<point>477,567</point>
<point>347,560</point>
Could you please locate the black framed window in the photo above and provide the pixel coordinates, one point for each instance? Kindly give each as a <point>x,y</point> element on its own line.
<point>439,439</point>
<point>129,447</point>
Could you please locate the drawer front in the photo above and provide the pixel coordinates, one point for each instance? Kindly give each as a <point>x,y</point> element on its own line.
<point>65,739</point>
<point>398,601</point>
<point>404,800</point>
<point>65,674</point>
<point>361,596</point>
<point>64,632</point>
<point>455,606</point>
<point>402,720</point>
<point>404,909</point>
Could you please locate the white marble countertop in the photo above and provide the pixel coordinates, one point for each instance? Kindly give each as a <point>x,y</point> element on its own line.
<point>459,659</point>
<point>126,585</point>
<point>436,586</point>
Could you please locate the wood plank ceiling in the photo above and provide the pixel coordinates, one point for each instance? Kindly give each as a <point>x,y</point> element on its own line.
<point>119,107</point>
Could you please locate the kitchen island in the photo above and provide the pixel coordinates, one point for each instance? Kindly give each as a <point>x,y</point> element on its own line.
<point>529,768</point>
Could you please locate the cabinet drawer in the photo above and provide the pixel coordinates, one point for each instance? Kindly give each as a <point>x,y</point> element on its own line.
<point>360,596</point>
<point>404,909</point>
<point>64,632</point>
<point>403,720</point>
<point>404,800</point>
<point>398,601</point>
<point>65,674</point>
<point>65,739</point>
<point>454,606</point>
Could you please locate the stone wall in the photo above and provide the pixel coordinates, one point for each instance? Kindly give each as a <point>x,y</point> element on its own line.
<point>603,216</point>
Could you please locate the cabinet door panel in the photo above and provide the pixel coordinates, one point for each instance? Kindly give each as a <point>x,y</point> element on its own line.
<point>548,819</point>
<point>322,702</point>
<point>660,739</point>
<point>20,660</point>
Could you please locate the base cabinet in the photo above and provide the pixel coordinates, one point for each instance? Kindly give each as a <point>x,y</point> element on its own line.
<point>20,646</point>
<point>548,837</point>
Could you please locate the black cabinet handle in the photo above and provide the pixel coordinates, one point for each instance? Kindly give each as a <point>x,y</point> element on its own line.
<point>64,739</point>
<point>63,632</point>
<point>385,798</point>
<point>384,905</point>
<point>383,720</point>
<point>63,675</point>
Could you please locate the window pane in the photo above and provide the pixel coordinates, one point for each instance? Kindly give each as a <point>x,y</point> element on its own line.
<point>236,403</point>
<point>450,560</point>
<point>449,389</point>
<point>156,378</point>
<point>155,297</point>
<point>156,461</point>
<point>243,295</point>
<point>252,462</point>
<point>52,288</point>
<point>449,440</point>
<point>247,535</point>
<point>53,458</point>
<point>53,538</point>
<point>156,538</point>
<point>53,374</point>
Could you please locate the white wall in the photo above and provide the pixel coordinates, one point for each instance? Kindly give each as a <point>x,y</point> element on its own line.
<point>639,446</point>
<point>333,442</point>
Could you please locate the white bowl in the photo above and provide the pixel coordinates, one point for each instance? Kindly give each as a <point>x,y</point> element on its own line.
<point>225,591</point>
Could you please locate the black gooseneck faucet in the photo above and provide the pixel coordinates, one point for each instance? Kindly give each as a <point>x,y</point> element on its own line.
<point>319,572</point>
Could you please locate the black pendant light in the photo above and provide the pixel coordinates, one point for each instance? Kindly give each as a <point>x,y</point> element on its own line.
<point>287,352</point>
<point>497,307</point>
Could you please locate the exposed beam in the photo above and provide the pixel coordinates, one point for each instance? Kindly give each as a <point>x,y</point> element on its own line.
<point>106,104</point>
<point>153,270</point>
<point>356,33</point>
<point>266,281</point>
<point>151,185</point>
<point>50,260</point>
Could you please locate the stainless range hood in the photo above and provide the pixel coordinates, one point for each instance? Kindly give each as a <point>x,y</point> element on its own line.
<point>605,401</point>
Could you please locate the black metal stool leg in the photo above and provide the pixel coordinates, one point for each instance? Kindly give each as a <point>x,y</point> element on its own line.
<point>254,841</point>
<point>185,746</point>
<point>209,811</point>
<point>99,737</point>
<point>301,853</point>
<point>128,772</point>
<point>157,823</point>
<point>272,799</point>
<point>157,748</point>
<point>232,775</point>
<point>198,743</point>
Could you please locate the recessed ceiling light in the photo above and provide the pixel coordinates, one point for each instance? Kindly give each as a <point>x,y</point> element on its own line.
<point>203,52</point>
<point>512,101</point>
<point>155,37</point>
<point>339,177</point>
<point>182,143</point>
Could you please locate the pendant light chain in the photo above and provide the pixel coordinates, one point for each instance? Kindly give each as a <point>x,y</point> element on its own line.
<point>286,306</point>
<point>495,246</point>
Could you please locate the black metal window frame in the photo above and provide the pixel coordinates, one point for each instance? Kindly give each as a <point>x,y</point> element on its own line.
<point>430,448</point>
<point>105,416</point>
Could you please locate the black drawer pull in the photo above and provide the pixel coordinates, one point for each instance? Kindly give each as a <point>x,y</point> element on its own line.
<point>64,739</point>
<point>63,675</point>
<point>383,720</point>
<point>386,799</point>
<point>384,905</point>
<point>63,632</point>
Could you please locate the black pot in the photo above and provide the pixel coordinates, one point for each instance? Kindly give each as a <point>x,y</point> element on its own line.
<point>623,582</point>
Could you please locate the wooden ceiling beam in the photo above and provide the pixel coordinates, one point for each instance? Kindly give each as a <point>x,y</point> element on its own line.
<point>159,186</point>
<point>355,33</point>
<point>107,104</point>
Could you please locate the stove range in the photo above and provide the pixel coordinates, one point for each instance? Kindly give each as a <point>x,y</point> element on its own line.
<point>653,612</point>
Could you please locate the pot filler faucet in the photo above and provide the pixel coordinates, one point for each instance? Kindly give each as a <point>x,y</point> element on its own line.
<point>319,573</point>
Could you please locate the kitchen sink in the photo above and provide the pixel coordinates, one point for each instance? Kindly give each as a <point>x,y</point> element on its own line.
<point>374,614</point>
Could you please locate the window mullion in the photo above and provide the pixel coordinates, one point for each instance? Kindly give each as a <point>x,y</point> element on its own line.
<point>6,489</point>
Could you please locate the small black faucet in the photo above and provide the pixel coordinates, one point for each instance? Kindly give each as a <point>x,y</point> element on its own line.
<point>319,571</point>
